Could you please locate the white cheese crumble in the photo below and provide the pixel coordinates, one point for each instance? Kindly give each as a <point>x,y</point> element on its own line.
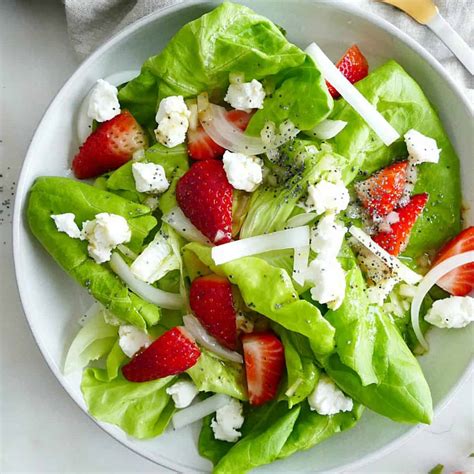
<point>327,399</point>
<point>103,102</point>
<point>327,196</point>
<point>328,280</point>
<point>149,178</point>
<point>182,393</point>
<point>245,95</point>
<point>104,233</point>
<point>421,149</point>
<point>243,172</point>
<point>65,223</point>
<point>327,237</point>
<point>173,121</point>
<point>131,340</point>
<point>228,421</point>
<point>452,312</point>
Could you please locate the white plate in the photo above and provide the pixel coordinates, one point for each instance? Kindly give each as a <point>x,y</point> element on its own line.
<point>53,302</point>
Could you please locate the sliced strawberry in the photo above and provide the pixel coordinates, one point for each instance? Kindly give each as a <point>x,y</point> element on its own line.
<point>110,146</point>
<point>205,196</point>
<point>264,363</point>
<point>211,301</point>
<point>172,353</point>
<point>396,240</point>
<point>381,192</point>
<point>460,281</point>
<point>202,147</point>
<point>353,65</point>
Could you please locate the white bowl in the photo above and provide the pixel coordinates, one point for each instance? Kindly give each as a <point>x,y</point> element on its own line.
<point>53,302</point>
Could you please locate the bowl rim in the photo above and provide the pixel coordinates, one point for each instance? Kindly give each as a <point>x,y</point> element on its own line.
<point>22,193</point>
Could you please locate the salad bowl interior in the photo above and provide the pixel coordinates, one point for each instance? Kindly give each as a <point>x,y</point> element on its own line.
<point>54,303</point>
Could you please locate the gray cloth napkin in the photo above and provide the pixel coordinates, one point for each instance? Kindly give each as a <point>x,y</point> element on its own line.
<point>91,22</point>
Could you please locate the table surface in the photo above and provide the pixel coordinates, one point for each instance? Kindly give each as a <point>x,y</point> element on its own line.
<point>42,430</point>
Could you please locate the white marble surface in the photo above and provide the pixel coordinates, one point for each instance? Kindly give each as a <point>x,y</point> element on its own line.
<point>42,430</point>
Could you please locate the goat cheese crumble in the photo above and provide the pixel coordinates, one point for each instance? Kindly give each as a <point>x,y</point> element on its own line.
<point>452,312</point>
<point>65,223</point>
<point>228,421</point>
<point>131,340</point>
<point>149,178</point>
<point>242,171</point>
<point>327,196</point>
<point>421,149</point>
<point>182,393</point>
<point>245,95</point>
<point>173,121</point>
<point>327,237</point>
<point>327,399</point>
<point>103,102</point>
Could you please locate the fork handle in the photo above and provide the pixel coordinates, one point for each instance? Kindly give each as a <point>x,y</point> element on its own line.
<point>453,41</point>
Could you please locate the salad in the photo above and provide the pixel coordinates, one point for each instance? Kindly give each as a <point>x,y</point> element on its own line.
<point>267,237</point>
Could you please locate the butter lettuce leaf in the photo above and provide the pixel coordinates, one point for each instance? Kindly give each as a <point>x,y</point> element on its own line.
<point>142,410</point>
<point>402,102</point>
<point>231,38</point>
<point>52,195</point>
<point>282,304</point>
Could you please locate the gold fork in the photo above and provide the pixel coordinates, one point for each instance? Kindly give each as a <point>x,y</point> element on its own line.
<point>426,13</point>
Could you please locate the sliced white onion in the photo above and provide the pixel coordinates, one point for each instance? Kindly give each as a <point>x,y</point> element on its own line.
<point>184,227</point>
<point>291,390</point>
<point>405,273</point>
<point>149,293</point>
<point>429,280</point>
<point>301,219</point>
<point>196,329</point>
<point>199,410</point>
<point>283,239</point>
<point>300,264</point>
<point>202,102</point>
<point>230,137</point>
<point>84,122</point>
<point>367,111</point>
<point>127,252</point>
<point>328,129</point>
<point>92,311</point>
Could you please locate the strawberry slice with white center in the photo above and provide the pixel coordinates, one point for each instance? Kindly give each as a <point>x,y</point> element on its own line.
<point>210,298</point>
<point>112,144</point>
<point>353,65</point>
<point>172,353</point>
<point>205,196</point>
<point>264,364</point>
<point>395,240</point>
<point>202,147</point>
<point>381,192</point>
<point>460,281</point>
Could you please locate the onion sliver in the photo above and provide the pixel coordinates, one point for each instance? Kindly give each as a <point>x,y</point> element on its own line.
<point>184,227</point>
<point>301,219</point>
<point>199,410</point>
<point>328,129</point>
<point>228,136</point>
<point>149,293</point>
<point>196,329</point>
<point>361,105</point>
<point>92,311</point>
<point>405,273</point>
<point>291,390</point>
<point>300,264</point>
<point>84,122</point>
<point>283,239</point>
<point>127,252</point>
<point>430,279</point>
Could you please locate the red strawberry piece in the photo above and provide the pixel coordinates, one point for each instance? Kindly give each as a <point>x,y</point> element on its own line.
<point>460,281</point>
<point>396,240</point>
<point>264,363</point>
<point>211,301</point>
<point>172,353</point>
<point>205,196</point>
<point>353,65</point>
<point>381,192</point>
<point>110,146</point>
<point>202,147</point>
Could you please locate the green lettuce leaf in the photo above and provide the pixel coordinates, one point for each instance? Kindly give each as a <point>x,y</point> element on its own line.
<point>142,410</point>
<point>175,163</point>
<point>231,38</point>
<point>282,304</point>
<point>312,428</point>
<point>94,340</point>
<point>402,102</point>
<point>52,195</point>
<point>115,359</point>
<point>301,368</point>
<point>211,374</point>
<point>402,392</point>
